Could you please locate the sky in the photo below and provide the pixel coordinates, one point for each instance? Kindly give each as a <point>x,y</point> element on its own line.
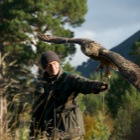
<point>108,22</point>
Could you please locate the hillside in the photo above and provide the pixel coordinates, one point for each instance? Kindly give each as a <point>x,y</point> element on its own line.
<point>124,48</point>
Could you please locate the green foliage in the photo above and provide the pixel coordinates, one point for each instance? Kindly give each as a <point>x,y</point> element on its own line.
<point>14,95</point>
<point>136,52</point>
<point>118,87</point>
<point>20,21</point>
<point>80,102</point>
<point>100,130</point>
<point>135,126</point>
<point>122,101</point>
<point>20,49</point>
<point>122,124</point>
<point>23,133</point>
<point>119,110</point>
<point>93,103</point>
<point>68,67</point>
<point>89,124</point>
<point>128,114</point>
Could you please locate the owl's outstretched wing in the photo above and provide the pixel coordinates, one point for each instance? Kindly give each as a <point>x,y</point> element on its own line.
<point>94,50</point>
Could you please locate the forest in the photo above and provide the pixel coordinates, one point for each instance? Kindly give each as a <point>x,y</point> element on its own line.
<point>113,115</point>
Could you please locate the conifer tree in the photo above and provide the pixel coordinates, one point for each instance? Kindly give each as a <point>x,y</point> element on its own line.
<point>136,52</point>
<point>19,23</point>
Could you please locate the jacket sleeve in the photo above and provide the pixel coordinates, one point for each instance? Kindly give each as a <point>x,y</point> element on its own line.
<point>83,85</point>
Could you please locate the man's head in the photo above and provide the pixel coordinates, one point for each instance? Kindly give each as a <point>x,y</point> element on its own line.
<point>50,62</point>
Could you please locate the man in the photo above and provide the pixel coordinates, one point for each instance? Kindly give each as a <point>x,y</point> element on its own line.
<point>55,112</point>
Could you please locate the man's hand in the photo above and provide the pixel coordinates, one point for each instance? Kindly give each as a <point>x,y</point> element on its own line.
<point>101,87</point>
<point>104,86</point>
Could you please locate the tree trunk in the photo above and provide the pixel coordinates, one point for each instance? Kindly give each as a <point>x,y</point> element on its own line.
<point>3,102</point>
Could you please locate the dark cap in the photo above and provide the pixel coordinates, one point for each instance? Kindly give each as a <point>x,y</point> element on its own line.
<point>48,57</point>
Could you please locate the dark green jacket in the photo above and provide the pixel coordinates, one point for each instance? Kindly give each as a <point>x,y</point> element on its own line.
<point>55,105</point>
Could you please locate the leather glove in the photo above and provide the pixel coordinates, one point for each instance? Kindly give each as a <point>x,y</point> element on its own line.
<point>104,86</point>
<point>101,87</point>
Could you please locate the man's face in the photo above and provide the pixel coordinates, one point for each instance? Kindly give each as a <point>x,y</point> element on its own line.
<point>53,68</point>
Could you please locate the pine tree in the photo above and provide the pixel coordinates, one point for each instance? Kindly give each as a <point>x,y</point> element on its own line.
<point>118,86</point>
<point>19,23</point>
<point>136,52</point>
<point>101,130</point>
<point>128,104</point>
